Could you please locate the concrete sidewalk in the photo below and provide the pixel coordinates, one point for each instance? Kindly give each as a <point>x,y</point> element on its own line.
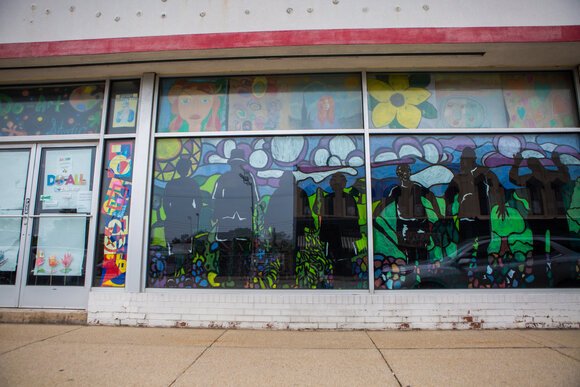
<point>34,355</point>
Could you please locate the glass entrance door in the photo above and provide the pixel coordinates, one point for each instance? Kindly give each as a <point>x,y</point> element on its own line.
<point>55,232</point>
<point>16,162</point>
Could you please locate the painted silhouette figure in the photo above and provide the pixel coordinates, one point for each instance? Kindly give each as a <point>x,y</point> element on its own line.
<point>412,224</point>
<point>235,196</point>
<point>279,215</point>
<point>182,201</point>
<point>339,227</point>
<point>478,191</point>
<point>545,190</point>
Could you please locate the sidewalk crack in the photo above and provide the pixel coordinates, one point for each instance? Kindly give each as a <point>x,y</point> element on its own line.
<point>553,348</point>
<point>41,340</point>
<point>384,359</point>
<point>197,358</point>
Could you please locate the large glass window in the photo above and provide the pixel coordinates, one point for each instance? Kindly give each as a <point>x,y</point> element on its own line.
<point>51,110</point>
<point>477,211</point>
<point>259,212</point>
<point>496,208</point>
<point>328,101</point>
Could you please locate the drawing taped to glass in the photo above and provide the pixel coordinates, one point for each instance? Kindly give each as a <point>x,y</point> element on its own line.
<point>259,212</point>
<point>477,211</point>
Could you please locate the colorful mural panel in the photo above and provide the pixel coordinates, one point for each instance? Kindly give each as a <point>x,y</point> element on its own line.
<point>476,211</point>
<point>261,103</point>
<point>540,100</point>
<point>471,100</point>
<point>192,105</point>
<point>401,101</point>
<point>111,257</point>
<point>325,102</point>
<point>51,110</point>
<point>267,212</point>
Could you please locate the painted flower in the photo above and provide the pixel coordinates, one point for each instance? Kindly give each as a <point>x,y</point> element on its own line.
<point>39,259</point>
<point>398,100</point>
<point>52,261</point>
<point>67,261</point>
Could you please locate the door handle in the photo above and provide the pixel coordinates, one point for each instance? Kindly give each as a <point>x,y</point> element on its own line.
<point>26,206</point>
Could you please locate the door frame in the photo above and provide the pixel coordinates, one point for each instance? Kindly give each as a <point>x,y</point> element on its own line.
<point>62,297</point>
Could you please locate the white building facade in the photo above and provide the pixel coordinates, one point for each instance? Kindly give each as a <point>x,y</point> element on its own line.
<point>323,164</point>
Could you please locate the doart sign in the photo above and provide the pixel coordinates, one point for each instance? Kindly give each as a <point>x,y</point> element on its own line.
<point>65,183</point>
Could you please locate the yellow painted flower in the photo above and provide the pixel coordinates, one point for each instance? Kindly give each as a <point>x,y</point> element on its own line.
<point>396,100</point>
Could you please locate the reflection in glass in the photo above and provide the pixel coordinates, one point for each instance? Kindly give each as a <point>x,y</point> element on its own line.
<point>9,248</point>
<point>476,211</point>
<point>13,185</point>
<point>58,251</point>
<point>12,192</point>
<point>269,212</point>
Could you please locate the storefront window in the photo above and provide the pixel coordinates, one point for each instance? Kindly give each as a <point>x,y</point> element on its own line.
<point>111,254</point>
<point>472,100</point>
<point>51,110</point>
<point>330,101</point>
<point>479,211</point>
<point>123,101</point>
<point>259,212</point>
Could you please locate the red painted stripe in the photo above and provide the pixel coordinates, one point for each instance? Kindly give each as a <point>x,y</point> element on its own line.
<point>292,38</point>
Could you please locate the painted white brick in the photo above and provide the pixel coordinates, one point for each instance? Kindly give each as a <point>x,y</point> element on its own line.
<point>390,310</point>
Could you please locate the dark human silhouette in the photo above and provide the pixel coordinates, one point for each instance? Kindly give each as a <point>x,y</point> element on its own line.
<point>478,190</point>
<point>181,202</point>
<point>280,222</point>
<point>339,225</point>
<point>412,224</point>
<point>234,197</point>
<point>545,191</point>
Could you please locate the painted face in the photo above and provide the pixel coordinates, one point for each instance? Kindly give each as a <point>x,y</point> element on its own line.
<point>194,107</point>
<point>463,113</point>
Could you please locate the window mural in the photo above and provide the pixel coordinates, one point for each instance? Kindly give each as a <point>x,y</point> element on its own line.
<point>295,102</point>
<point>476,211</point>
<point>472,100</point>
<point>328,101</point>
<point>259,212</point>
<point>192,105</point>
<point>111,255</point>
<point>51,110</point>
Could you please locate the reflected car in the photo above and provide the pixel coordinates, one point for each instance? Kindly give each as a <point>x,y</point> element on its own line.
<point>563,263</point>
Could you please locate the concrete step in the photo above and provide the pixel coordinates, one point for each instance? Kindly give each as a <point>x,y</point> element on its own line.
<point>43,316</point>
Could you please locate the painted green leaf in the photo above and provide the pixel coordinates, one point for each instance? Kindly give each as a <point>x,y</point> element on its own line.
<point>494,244</point>
<point>442,205</point>
<point>427,110</point>
<point>521,200</point>
<point>455,205</point>
<point>431,215</point>
<point>395,124</point>
<point>522,242</point>
<point>513,222</point>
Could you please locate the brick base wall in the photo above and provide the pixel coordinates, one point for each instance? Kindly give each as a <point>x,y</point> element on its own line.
<point>465,309</point>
